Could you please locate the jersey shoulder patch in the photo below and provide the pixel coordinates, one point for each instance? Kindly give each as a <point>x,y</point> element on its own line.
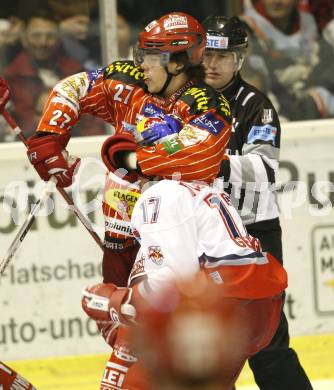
<point>124,71</point>
<point>201,98</point>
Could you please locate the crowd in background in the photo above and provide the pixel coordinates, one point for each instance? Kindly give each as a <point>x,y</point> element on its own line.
<point>42,41</point>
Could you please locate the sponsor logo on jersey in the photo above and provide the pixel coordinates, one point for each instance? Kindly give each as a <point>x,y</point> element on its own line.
<point>266,133</point>
<point>113,376</point>
<point>150,110</point>
<point>154,254</point>
<point>175,21</point>
<point>215,42</point>
<point>121,200</point>
<point>209,122</point>
<point>117,226</point>
<point>267,116</point>
<point>200,96</point>
<point>123,67</point>
<point>129,127</point>
<point>172,146</point>
<point>93,76</point>
<point>224,106</point>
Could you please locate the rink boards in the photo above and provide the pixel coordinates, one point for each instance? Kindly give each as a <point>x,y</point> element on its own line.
<point>58,258</point>
<point>84,372</point>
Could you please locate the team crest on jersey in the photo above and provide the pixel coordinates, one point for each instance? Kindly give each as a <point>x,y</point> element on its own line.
<point>267,116</point>
<point>154,253</point>
<point>190,135</point>
<point>74,86</point>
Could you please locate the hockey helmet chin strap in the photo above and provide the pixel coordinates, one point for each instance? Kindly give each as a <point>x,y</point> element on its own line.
<point>169,78</point>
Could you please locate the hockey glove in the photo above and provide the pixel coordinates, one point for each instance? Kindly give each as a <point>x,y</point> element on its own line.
<point>105,302</point>
<point>49,158</point>
<point>158,129</point>
<point>115,154</point>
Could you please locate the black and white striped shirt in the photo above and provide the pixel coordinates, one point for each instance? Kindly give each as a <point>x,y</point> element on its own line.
<point>253,150</point>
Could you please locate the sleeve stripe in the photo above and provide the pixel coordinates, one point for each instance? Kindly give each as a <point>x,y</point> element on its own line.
<point>261,149</point>
<point>272,163</point>
<point>247,170</point>
<point>270,172</point>
<point>259,170</point>
<point>235,167</point>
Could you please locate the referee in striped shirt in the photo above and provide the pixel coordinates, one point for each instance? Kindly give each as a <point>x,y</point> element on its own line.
<point>249,171</point>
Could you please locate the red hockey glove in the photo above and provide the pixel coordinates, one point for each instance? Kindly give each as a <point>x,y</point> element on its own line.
<point>105,302</point>
<point>114,151</point>
<point>48,156</point>
<point>4,93</point>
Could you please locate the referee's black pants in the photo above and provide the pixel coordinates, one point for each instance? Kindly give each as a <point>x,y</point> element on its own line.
<point>276,367</point>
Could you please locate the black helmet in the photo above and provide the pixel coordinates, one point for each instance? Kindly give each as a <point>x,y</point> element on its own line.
<point>225,33</point>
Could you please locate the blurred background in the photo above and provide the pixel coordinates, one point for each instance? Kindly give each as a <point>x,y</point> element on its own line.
<point>291,59</point>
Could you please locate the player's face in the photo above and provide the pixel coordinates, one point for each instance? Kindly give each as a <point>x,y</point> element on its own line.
<point>220,67</point>
<point>155,75</point>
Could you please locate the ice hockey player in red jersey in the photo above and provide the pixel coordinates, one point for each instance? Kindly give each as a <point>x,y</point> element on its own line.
<point>188,229</point>
<point>182,124</point>
<point>11,380</point>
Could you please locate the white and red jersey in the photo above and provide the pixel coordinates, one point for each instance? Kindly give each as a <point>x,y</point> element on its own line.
<point>187,227</point>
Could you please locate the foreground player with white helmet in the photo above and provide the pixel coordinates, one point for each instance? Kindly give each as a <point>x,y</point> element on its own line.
<point>188,229</point>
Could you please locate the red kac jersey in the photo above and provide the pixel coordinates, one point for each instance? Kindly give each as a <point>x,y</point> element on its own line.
<point>117,94</point>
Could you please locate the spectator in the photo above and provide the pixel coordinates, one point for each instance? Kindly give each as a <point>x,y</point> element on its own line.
<point>288,41</point>
<point>80,30</point>
<point>124,38</point>
<point>322,10</point>
<point>78,24</point>
<point>10,31</point>
<point>37,67</point>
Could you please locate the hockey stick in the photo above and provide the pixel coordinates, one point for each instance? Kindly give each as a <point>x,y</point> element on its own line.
<point>11,122</point>
<point>27,225</point>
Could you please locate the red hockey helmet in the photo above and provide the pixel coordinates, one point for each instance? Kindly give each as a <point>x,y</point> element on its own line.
<point>174,33</point>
